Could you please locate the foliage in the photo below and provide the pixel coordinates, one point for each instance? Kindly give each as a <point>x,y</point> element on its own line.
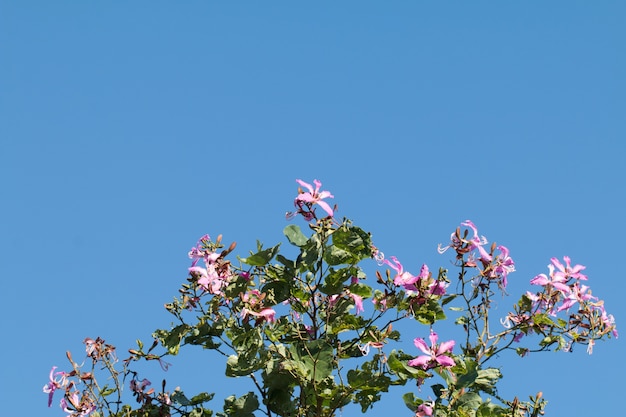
<point>297,327</point>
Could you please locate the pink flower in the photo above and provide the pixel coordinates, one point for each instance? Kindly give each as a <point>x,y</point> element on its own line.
<point>402,277</point>
<point>556,280</point>
<point>358,302</point>
<point>424,409</point>
<point>435,355</point>
<point>578,294</point>
<point>504,264</point>
<point>314,196</point>
<point>477,242</point>
<point>54,383</point>
<point>266,314</point>
<point>567,271</point>
<point>79,408</point>
<point>608,320</point>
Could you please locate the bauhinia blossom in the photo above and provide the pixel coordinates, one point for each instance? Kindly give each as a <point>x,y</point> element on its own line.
<point>424,409</point>
<point>402,277</point>
<point>504,265</point>
<point>568,271</point>
<point>556,281</point>
<point>57,380</point>
<point>315,196</point>
<point>267,314</point>
<point>434,356</point>
<point>477,242</point>
<point>358,301</point>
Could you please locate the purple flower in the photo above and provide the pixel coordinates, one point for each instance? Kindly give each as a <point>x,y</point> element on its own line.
<point>435,355</point>
<point>315,196</point>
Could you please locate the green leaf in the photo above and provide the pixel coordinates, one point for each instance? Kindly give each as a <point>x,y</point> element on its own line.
<point>200,412</point>
<point>448,299</point>
<point>262,257</point>
<point>179,398</point>
<point>410,401</point>
<point>488,409</point>
<point>242,406</point>
<point>525,303</point>
<point>317,358</point>
<point>310,253</point>
<point>438,390</point>
<point>172,339</point>
<point>287,262</point>
<point>354,241</point>
<point>362,290</point>
<point>294,235</point>
<point>549,340</point>
<point>201,398</point>
<point>487,378</point>
<point>429,313</point>
<point>397,362</point>
<point>470,401</point>
<point>334,279</point>
<point>467,379</point>
<point>277,291</point>
<point>543,319</point>
<point>337,256</point>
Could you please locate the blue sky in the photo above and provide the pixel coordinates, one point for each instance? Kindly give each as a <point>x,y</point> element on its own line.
<point>129,130</point>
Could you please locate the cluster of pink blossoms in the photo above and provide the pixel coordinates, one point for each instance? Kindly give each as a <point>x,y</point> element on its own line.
<point>216,273</point>
<point>495,267</point>
<point>75,402</point>
<point>562,290</point>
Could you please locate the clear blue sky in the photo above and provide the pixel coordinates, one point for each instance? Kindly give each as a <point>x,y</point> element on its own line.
<point>129,129</point>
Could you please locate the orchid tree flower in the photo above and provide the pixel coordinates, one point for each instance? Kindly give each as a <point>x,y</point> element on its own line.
<point>555,280</point>
<point>568,271</point>
<point>402,278</point>
<point>57,380</point>
<point>315,196</point>
<point>434,355</point>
